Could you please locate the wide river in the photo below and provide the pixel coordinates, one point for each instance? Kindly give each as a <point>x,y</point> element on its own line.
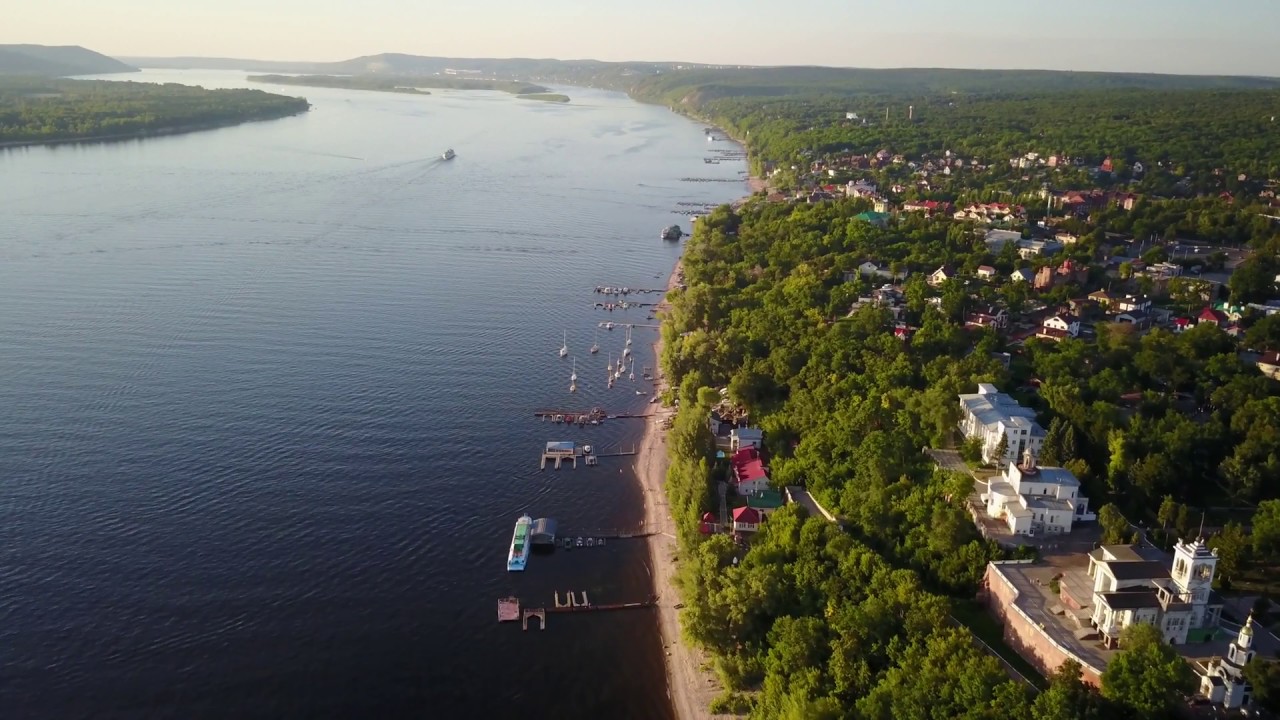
<point>266,399</point>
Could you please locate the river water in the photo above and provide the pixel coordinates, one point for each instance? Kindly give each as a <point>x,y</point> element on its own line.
<point>266,400</point>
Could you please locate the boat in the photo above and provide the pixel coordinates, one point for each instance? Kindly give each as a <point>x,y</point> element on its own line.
<point>608,325</point>
<point>672,232</point>
<point>595,346</point>
<point>628,336</point>
<point>448,154</point>
<point>574,376</point>
<point>519,553</point>
<point>564,348</point>
<point>586,449</point>
<point>578,542</point>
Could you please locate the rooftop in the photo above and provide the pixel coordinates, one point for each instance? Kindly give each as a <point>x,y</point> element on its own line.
<point>1130,599</point>
<point>1141,570</point>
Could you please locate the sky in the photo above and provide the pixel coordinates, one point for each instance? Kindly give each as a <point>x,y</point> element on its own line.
<point>1237,37</point>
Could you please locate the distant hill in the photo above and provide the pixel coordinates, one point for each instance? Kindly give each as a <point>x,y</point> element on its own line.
<point>53,61</point>
<point>208,63</point>
<point>691,84</point>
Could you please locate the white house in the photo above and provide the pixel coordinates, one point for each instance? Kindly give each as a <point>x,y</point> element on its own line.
<point>990,415</point>
<point>1037,500</point>
<point>1022,275</point>
<point>986,272</point>
<point>744,437</point>
<point>1069,324</point>
<point>1131,303</point>
<point>1222,678</point>
<point>874,269</point>
<point>941,275</point>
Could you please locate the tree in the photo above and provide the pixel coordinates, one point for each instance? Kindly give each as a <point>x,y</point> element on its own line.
<point>1264,676</point>
<point>1168,512</point>
<point>1233,547</point>
<point>1002,447</point>
<point>1115,528</point>
<point>1265,334</point>
<point>1147,676</point>
<point>1266,531</point>
<point>1059,444</point>
<point>1069,698</point>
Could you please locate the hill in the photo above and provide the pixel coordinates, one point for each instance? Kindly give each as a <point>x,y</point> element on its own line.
<point>696,87</point>
<point>52,61</point>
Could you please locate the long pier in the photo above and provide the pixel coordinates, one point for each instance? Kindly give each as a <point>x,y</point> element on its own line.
<point>509,608</point>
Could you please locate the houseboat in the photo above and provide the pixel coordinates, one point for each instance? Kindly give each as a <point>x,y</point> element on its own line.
<point>519,553</point>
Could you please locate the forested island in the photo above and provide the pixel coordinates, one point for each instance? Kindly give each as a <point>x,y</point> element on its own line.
<point>896,260</point>
<point>48,110</point>
<point>401,83</point>
<point>545,97</point>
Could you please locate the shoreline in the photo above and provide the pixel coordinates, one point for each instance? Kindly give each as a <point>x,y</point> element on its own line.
<point>690,687</point>
<point>143,134</point>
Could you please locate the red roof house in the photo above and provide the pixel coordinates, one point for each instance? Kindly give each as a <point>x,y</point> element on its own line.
<point>1209,315</point>
<point>746,519</point>
<point>749,473</point>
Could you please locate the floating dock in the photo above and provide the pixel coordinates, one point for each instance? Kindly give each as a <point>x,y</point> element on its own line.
<point>508,609</point>
<point>558,452</point>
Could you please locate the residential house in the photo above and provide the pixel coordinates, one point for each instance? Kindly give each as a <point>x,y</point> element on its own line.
<point>992,317</point>
<point>1072,272</point>
<point>986,272</point>
<point>1269,364</point>
<point>1132,303</point>
<point>903,331</point>
<point>765,502</point>
<point>1138,318</point>
<point>928,207</point>
<point>1021,275</point>
<point>749,473</point>
<point>878,219</point>
<point>1067,238</point>
<point>1102,298</point>
<point>990,415</point>
<point>745,437</point>
<point>746,519</point>
<point>1028,249</point>
<point>1069,324</point>
<point>1181,325</point>
<point>861,189</point>
<point>990,213</point>
<point>1036,500</point>
<point>1212,317</point>
<point>1045,278</point>
<point>941,275</point>
<point>874,269</point>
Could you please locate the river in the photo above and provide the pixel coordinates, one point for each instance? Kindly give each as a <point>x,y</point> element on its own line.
<point>266,400</point>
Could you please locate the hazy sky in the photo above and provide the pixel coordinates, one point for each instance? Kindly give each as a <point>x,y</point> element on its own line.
<point>1178,36</point>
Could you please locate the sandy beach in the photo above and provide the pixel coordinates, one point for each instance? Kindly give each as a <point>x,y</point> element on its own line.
<point>690,687</point>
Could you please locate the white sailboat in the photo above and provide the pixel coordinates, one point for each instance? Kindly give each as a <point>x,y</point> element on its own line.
<point>595,346</point>
<point>574,376</point>
<point>633,370</point>
<point>564,347</point>
<point>628,336</point>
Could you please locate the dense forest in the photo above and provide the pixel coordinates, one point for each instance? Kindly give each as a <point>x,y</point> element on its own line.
<point>401,83</point>
<point>816,621</point>
<point>50,110</point>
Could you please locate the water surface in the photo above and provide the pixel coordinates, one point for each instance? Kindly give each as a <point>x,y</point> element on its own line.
<point>266,403</point>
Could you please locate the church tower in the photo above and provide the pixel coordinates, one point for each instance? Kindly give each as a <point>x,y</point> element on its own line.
<point>1194,565</point>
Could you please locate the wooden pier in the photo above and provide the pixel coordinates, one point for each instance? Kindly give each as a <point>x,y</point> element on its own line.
<point>573,604</point>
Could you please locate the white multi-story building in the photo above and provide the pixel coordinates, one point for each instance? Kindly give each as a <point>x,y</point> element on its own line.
<point>1037,500</point>
<point>990,414</point>
<point>1128,589</point>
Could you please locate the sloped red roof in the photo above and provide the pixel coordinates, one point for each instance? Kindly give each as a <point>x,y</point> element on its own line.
<point>746,514</point>
<point>1211,315</point>
<point>708,517</point>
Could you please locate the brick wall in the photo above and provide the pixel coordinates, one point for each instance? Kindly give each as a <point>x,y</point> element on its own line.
<point>1023,635</point>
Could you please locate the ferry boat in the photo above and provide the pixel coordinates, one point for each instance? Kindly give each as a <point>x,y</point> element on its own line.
<point>448,155</point>
<point>519,553</point>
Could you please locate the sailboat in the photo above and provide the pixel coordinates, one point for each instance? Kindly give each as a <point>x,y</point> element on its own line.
<point>595,346</point>
<point>628,336</point>
<point>564,347</point>
<point>574,376</point>
<point>633,370</point>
